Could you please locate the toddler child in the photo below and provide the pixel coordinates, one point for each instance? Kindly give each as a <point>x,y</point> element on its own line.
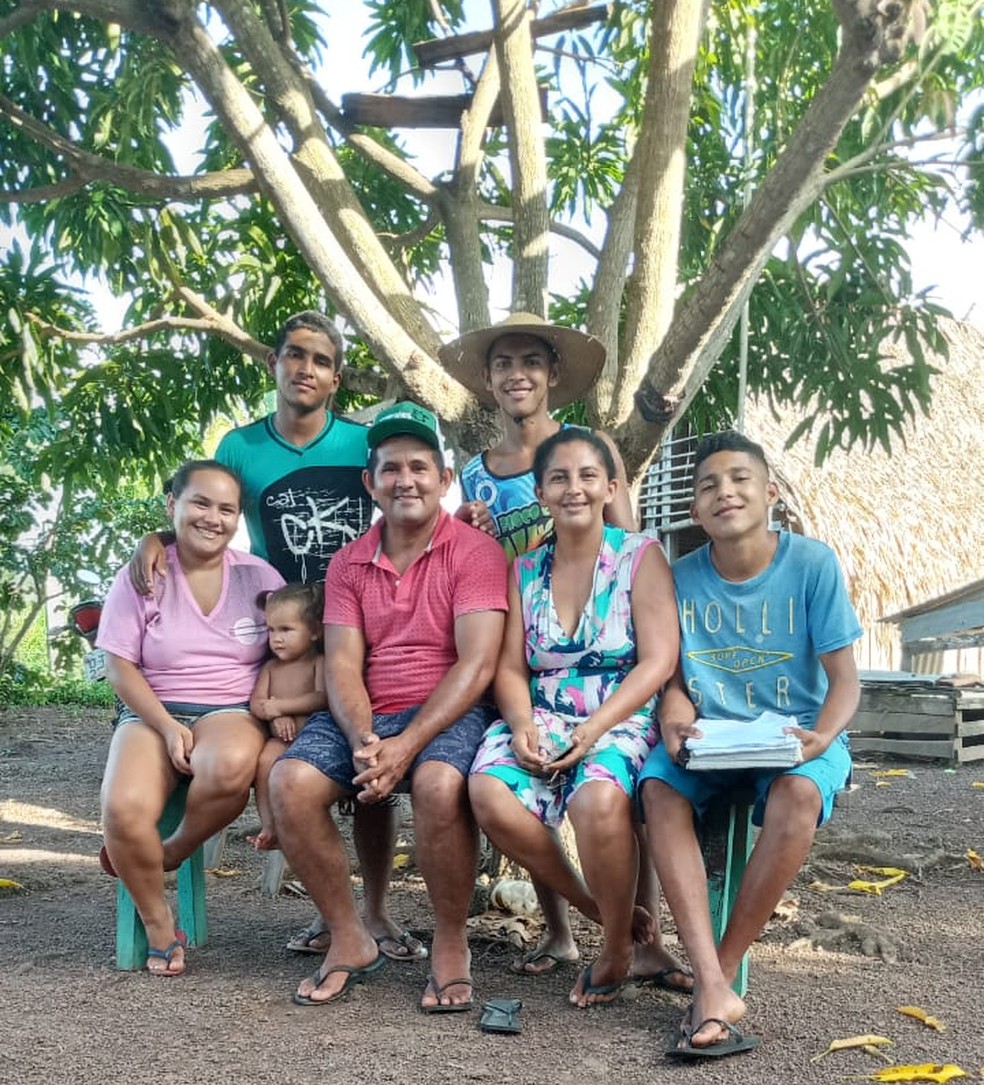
<point>290,686</point>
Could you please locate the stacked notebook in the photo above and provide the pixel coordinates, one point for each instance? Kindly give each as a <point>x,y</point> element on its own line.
<point>744,744</point>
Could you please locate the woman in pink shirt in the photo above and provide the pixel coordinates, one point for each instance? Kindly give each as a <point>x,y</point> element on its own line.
<point>183,661</point>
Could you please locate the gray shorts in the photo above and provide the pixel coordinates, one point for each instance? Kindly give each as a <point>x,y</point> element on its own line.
<point>185,712</point>
<point>323,744</point>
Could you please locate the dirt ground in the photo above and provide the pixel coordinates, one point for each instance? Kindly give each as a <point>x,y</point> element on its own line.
<point>66,1014</point>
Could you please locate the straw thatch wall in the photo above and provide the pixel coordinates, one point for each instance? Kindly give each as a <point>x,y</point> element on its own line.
<point>906,527</point>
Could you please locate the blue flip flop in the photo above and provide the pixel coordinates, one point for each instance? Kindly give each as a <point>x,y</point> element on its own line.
<point>589,988</point>
<point>736,1042</point>
<point>165,955</point>
<point>353,976</point>
<point>661,979</point>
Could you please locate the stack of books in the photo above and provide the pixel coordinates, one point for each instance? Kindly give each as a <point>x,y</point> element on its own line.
<point>744,744</point>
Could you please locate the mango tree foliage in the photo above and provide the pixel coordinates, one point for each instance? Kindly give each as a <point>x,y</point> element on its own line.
<point>802,213</point>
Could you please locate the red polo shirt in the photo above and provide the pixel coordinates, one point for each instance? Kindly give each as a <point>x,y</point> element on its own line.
<point>408,620</point>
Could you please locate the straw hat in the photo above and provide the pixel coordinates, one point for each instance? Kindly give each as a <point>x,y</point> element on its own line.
<point>580,356</point>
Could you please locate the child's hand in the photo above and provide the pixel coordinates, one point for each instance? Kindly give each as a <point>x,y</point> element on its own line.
<point>477,514</point>
<point>284,728</point>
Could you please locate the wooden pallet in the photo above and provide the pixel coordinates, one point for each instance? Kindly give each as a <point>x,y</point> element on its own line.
<point>939,724</point>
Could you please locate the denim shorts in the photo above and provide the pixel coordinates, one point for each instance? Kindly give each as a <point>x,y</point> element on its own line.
<point>323,744</point>
<point>830,773</point>
<point>185,712</point>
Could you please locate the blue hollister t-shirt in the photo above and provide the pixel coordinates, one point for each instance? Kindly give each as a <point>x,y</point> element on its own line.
<point>755,645</point>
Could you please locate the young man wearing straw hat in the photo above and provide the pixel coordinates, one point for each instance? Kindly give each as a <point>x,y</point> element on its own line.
<point>525,366</point>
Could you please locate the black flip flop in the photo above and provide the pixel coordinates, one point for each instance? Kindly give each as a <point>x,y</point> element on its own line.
<point>736,1042</point>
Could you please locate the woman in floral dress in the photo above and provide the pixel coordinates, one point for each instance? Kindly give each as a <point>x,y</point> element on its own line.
<point>591,637</point>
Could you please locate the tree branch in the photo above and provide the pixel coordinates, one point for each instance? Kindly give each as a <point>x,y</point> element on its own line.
<point>44,193</point>
<point>662,161</point>
<point>287,92</point>
<point>460,205</point>
<point>493,212</point>
<point>302,218</point>
<point>88,167</point>
<point>527,156</point>
<point>873,34</point>
<point>398,168</point>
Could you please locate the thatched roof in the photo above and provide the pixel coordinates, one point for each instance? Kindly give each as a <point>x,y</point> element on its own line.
<point>906,527</point>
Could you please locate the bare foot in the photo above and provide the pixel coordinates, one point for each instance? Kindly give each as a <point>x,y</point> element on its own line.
<point>349,956</point>
<point>449,985</point>
<point>551,951</point>
<point>600,983</point>
<point>654,964</point>
<point>645,929</point>
<point>169,961</point>
<point>721,1004</point>
<point>264,840</point>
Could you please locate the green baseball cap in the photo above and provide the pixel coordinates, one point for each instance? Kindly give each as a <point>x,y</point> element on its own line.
<point>405,420</point>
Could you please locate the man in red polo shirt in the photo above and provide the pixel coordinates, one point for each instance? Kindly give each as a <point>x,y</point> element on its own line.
<point>414,615</point>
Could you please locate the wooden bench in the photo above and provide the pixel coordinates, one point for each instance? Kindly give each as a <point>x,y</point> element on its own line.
<point>131,938</point>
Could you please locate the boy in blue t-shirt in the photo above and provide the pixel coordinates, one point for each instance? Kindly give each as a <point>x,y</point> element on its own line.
<point>765,624</point>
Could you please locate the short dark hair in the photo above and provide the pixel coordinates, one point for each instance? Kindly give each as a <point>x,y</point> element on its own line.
<point>315,322</point>
<point>180,479</point>
<point>310,600</point>
<point>436,453</point>
<point>728,440</point>
<point>566,436</point>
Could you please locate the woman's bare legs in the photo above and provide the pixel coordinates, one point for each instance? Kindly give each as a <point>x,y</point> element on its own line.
<point>138,779</point>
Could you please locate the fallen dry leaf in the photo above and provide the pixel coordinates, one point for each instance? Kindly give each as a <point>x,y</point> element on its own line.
<point>891,876</point>
<point>223,872</point>
<point>927,1071</point>
<point>847,1042</point>
<point>883,783</point>
<point>11,838</point>
<point>9,883</point>
<point>921,1015</point>
<point>977,783</point>
<point>976,862</point>
<point>890,772</point>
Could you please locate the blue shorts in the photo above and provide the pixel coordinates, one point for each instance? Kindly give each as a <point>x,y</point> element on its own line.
<point>830,773</point>
<point>185,712</point>
<point>323,744</point>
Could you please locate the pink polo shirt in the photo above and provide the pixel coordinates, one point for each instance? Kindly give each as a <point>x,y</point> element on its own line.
<point>408,620</point>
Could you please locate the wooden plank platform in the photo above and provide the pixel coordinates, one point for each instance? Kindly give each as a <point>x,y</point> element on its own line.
<point>939,723</point>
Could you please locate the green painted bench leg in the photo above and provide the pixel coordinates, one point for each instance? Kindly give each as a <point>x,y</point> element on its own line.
<point>131,939</point>
<point>727,843</point>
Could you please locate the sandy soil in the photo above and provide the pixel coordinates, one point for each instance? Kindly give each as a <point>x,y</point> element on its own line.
<point>66,1015</point>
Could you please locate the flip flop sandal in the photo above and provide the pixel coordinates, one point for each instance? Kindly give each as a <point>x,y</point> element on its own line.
<point>501,1015</point>
<point>402,947</point>
<point>589,988</point>
<point>449,1007</point>
<point>353,976</point>
<point>736,1042</point>
<point>303,941</point>
<point>519,965</point>
<point>661,979</point>
<point>165,955</point>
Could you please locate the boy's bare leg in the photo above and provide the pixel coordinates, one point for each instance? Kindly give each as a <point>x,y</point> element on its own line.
<point>788,828</point>
<point>676,852</point>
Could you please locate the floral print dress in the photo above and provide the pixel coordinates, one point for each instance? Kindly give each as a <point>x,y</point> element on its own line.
<point>571,676</point>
